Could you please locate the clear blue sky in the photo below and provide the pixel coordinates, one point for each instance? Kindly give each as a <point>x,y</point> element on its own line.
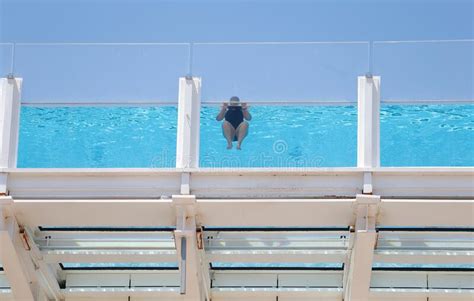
<point>424,71</point>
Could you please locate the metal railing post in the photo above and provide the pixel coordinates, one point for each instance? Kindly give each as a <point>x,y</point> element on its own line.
<point>368,124</point>
<point>189,106</point>
<point>10,89</point>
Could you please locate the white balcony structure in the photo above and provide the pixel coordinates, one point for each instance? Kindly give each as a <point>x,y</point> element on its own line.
<point>190,233</point>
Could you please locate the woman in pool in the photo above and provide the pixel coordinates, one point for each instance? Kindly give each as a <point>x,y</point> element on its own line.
<point>234,127</point>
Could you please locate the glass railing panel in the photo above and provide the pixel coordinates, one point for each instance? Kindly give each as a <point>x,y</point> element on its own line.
<point>101,73</point>
<point>297,135</point>
<point>67,120</point>
<point>6,59</point>
<point>284,72</point>
<point>425,71</point>
<point>287,86</point>
<point>428,102</point>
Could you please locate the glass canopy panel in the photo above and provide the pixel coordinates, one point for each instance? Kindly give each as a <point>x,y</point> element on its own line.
<point>460,241</point>
<point>295,250</point>
<point>222,240</point>
<point>277,277</point>
<point>446,277</point>
<point>380,266</point>
<point>59,240</point>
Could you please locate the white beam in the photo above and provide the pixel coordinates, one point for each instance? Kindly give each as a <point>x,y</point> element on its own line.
<point>412,182</point>
<point>248,212</point>
<point>357,281</point>
<point>93,183</point>
<point>240,212</point>
<point>426,212</point>
<point>189,106</point>
<point>368,124</point>
<point>15,272</point>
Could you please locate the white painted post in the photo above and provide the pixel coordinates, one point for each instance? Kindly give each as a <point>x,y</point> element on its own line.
<point>189,106</point>
<point>10,90</point>
<point>368,124</point>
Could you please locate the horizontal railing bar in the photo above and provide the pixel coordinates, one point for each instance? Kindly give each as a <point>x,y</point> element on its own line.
<point>231,43</point>
<point>285,103</point>
<point>104,44</point>
<point>252,103</point>
<point>100,104</point>
<point>256,170</point>
<point>427,101</point>
<point>423,41</point>
<point>281,43</point>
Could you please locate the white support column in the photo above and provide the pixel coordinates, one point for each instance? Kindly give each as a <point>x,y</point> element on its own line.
<point>368,124</point>
<point>189,106</point>
<point>16,274</point>
<point>193,282</point>
<point>359,266</point>
<point>10,90</point>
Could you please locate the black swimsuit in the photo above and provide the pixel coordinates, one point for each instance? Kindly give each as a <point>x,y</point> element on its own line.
<point>234,115</point>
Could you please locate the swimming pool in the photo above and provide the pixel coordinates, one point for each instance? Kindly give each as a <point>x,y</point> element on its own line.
<point>280,136</point>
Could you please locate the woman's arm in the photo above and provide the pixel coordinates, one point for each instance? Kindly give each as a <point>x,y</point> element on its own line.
<point>221,114</point>
<point>245,111</point>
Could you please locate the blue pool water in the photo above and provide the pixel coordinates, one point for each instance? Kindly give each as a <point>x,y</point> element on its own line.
<point>280,136</point>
